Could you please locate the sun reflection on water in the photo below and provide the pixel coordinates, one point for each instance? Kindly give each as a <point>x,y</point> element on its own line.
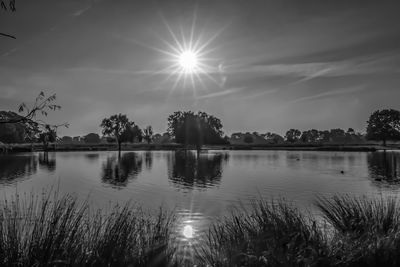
<point>188,231</point>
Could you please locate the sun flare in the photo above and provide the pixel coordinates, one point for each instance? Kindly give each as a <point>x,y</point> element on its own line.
<point>189,57</point>
<point>188,61</point>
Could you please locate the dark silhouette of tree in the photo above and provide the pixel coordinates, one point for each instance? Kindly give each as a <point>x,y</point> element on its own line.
<point>189,128</point>
<point>148,134</point>
<point>310,136</point>
<point>42,106</point>
<point>273,138</point>
<point>30,121</point>
<point>93,138</point>
<point>12,132</point>
<point>132,134</point>
<point>337,135</point>
<point>248,139</point>
<point>119,127</point>
<point>66,139</point>
<point>384,125</point>
<point>351,131</point>
<point>324,136</point>
<point>48,135</point>
<point>293,135</point>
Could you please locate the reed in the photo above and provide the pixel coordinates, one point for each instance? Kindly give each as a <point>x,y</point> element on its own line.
<point>60,231</point>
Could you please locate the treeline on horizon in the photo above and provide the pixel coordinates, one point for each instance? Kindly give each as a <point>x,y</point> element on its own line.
<point>184,127</point>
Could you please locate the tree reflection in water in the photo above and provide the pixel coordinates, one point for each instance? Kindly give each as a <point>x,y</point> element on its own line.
<point>384,166</point>
<point>119,170</point>
<point>148,160</point>
<point>47,161</point>
<point>191,170</point>
<point>14,167</point>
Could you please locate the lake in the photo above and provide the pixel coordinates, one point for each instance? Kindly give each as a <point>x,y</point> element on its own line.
<point>201,187</point>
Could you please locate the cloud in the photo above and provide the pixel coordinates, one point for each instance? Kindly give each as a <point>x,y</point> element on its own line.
<point>221,93</point>
<point>80,12</point>
<point>308,71</point>
<point>337,92</point>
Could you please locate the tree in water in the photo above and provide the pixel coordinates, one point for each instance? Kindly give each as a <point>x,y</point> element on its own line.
<point>198,129</point>
<point>119,127</point>
<point>148,134</point>
<point>48,135</point>
<point>384,125</point>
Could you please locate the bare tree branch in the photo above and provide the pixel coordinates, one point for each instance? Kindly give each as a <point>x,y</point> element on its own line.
<point>8,35</point>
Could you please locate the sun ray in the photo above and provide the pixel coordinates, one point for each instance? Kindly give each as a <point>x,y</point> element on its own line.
<point>189,54</point>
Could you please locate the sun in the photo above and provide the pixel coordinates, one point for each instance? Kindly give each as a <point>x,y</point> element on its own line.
<point>188,61</point>
<point>190,57</point>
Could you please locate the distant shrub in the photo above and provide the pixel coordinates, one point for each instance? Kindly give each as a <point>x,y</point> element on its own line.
<point>248,139</point>
<point>92,138</point>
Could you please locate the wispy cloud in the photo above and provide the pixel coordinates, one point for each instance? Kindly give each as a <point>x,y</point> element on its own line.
<point>371,64</point>
<point>331,93</point>
<point>81,11</point>
<point>221,93</point>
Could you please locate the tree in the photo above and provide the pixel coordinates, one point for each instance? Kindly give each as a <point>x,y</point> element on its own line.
<point>293,135</point>
<point>66,139</point>
<point>273,138</point>
<point>132,134</point>
<point>195,129</point>
<point>324,136</point>
<point>337,135</point>
<point>12,132</point>
<point>310,136</point>
<point>30,121</point>
<point>248,139</point>
<point>148,134</point>
<point>93,138</point>
<point>384,125</point>
<point>47,136</point>
<point>119,127</point>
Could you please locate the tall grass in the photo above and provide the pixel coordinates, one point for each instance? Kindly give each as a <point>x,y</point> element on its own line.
<point>367,231</point>
<point>60,231</point>
<point>352,232</point>
<point>270,234</point>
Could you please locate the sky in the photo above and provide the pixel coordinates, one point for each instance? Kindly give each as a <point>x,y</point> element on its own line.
<point>267,66</point>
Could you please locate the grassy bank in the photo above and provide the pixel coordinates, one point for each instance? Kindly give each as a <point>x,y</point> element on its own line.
<point>59,231</point>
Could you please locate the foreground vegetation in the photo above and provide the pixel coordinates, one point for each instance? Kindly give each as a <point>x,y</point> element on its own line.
<point>353,232</point>
<point>59,231</point>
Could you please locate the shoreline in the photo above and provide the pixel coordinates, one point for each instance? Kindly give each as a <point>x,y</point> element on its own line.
<point>14,148</point>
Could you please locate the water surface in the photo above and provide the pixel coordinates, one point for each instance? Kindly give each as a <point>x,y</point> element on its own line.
<point>201,187</point>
